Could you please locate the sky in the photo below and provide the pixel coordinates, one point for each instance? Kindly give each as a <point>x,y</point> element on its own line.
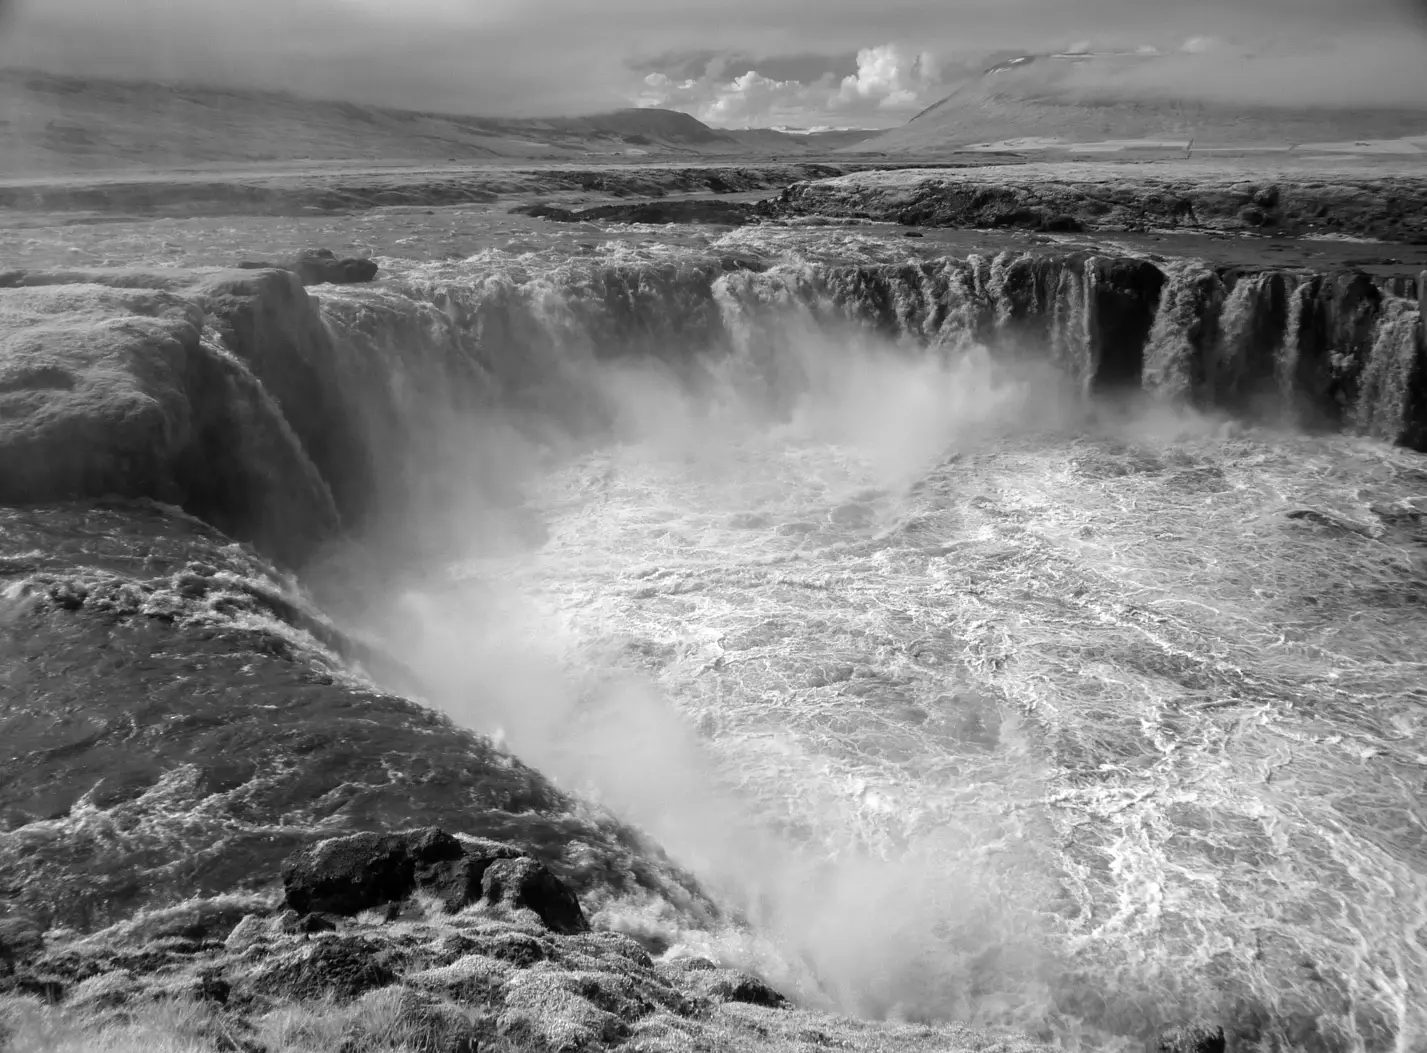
<point>732,63</point>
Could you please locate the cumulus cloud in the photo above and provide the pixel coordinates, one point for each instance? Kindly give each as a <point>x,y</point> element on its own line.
<point>891,78</point>
<point>563,56</point>
<point>890,83</point>
<point>748,100</point>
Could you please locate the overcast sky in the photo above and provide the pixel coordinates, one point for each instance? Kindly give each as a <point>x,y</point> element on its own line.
<point>730,62</point>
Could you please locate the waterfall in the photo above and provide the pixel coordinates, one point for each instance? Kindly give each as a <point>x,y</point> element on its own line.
<point>1185,320</point>
<point>422,356</point>
<point>1070,325</point>
<point>1286,355</point>
<point>1384,391</point>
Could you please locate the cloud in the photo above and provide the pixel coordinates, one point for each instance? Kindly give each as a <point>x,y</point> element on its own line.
<point>888,84</point>
<point>745,101</point>
<point>551,56</point>
<point>1352,72</point>
<point>1199,45</point>
<point>891,78</point>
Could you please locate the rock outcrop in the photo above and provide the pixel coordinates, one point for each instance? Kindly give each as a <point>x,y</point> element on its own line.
<point>107,390</point>
<point>697,210</point>
<point>321,267</point>
<point>348,875</point>
<point>441,983</point>
<point>282,421</point>
<point>473,963</point>
<point>238,970</point>
<point>1085,196</point>
<point>177,721</point>
<point>269,323</point>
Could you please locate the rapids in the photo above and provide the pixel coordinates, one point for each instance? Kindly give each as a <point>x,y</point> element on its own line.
<point>972,696</point>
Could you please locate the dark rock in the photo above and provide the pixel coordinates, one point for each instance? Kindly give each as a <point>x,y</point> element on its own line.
<point>1122,309</point>
<point>311,923</point>
<point>746,988</point>
<point>275,328</point>
<point>695,210</point>
<point>1063,224</point>
<point>213,988</point>
<point>346,875</point>
<point>690,965</point>
<point>321,267</point>
<point>716,984</point>
<point>526,883</point>
<point>518,948</point>
<point>1253,216</point>
<point>1192,1038</point>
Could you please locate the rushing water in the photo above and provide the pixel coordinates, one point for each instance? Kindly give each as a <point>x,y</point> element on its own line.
<point>972,699</point>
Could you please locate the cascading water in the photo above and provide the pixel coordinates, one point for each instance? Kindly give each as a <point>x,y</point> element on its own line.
<point>974,704</point>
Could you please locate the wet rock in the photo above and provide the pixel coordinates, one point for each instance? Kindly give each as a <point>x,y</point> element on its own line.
<point>112,391</point>
<point>712,983</point>
<point>270,323</point>
<point>746,988</point>
<point>347,875</point>
<point>1123,302</point>
<point>310,923</point>
<point>321,267</point>
<point>1193,1038</point>
<point>524,883</point>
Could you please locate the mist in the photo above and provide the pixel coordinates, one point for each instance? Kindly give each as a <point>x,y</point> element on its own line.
<point>927,927</point>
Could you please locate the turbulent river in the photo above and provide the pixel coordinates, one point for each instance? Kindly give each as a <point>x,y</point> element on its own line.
<point>971,697</point>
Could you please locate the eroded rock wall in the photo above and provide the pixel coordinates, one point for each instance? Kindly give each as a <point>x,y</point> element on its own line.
<point>1086,197</point>
<point>284,417</point>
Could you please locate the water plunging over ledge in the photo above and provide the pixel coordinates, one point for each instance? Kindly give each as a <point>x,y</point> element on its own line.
<point>1030,639</point>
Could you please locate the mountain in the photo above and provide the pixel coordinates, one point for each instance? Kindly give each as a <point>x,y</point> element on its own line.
<point>1040,102</point>
<point>52,124</point>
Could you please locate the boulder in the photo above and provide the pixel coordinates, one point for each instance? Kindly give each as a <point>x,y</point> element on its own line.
<point>707,980</point>
<point>366,871</point>
<point>525,884</point>
<point>321,267</point>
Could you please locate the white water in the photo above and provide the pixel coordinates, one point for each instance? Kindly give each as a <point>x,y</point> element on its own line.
<point>973,705</point>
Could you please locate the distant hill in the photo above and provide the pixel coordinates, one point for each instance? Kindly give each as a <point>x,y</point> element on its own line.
<point>51,124</point>
<point>1039,102</point>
